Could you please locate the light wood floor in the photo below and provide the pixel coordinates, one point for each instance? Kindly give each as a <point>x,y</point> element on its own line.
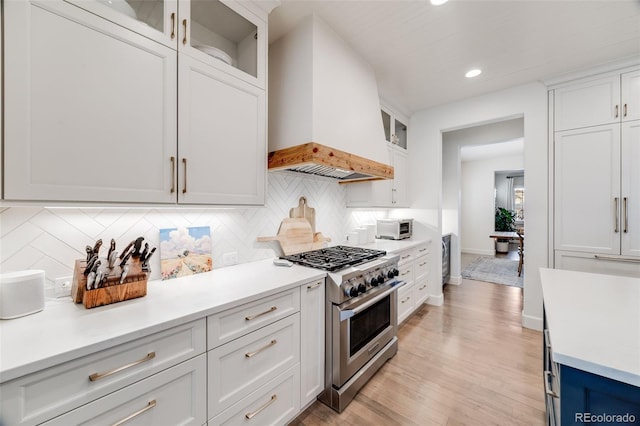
<point>467,362</point>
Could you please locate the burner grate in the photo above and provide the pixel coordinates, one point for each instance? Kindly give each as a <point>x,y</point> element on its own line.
<point>332,259</point>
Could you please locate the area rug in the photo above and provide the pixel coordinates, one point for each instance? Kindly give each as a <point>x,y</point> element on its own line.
<point>494,270</point>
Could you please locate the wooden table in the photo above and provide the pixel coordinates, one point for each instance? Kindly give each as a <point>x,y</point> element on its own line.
<point>508,235</point>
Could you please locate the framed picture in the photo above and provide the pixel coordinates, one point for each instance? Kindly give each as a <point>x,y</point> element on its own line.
<point>185,251</point>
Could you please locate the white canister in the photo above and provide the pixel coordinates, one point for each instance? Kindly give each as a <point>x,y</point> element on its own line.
<point>371,233</point>
<point>353,238</point>
<point>362,235</point>
<point>21,293</point>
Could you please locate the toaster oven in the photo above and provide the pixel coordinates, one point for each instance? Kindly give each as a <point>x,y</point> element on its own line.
<point>394,229</point>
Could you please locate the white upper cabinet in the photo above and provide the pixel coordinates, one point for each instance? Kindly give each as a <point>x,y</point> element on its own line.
<point>89,109</point>
<point>631,96</point>
<point>224,34</point>
<point>630,219</point>
<point>587,189</point>
<point>134,101</point>
<point>223,157</point>
<point>602,100</point>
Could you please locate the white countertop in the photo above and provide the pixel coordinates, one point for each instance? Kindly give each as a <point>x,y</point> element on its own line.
<point>65,330</point>
<point>393,246</point>
<point>594,322</point>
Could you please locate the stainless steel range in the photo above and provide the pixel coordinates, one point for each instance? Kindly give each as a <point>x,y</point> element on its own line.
<point>361,316</point>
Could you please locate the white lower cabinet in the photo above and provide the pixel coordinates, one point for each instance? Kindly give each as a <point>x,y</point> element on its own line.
<point>275,403</point>
<point>35,398</point>
<point>312,350</point>
<point>414,270</point>
<point>171,397</point>
<point>241,366</point>
<point>597,264</point>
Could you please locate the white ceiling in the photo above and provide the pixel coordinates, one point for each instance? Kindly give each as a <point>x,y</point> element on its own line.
<point>420,52</point>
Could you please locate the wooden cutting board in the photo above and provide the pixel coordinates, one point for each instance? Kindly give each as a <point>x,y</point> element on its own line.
<point>303,210</point>
<point>294,235</point>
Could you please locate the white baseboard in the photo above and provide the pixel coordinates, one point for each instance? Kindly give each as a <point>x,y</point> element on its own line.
<point>533,323</point>
<point>479,251</point>
<point>436,300</point>
<point>457,280</point>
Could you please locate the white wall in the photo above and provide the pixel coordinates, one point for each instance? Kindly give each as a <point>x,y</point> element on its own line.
<point>426,128</point>
<point>477,202</point>
<point>51,239</point>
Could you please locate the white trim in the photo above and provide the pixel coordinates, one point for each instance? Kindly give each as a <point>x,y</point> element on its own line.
<point>533,323</point>
<point>617,66</point>
<point>479,251</point>
<point>457,280</point>
<point>435,300</point>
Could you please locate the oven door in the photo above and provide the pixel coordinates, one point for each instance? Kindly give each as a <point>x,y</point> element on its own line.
<point>360,329</point>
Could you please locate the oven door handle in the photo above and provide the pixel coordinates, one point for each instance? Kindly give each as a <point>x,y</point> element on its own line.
<point>348,313</point>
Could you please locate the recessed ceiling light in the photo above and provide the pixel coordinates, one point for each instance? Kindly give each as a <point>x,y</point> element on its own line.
<point>473,73</point>
<point>438,2</point>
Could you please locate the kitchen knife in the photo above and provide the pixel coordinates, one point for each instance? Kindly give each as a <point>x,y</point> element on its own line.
<point>143,255</point>
<point>90,279</point>
<point>126,259</point>
<point>145,262</point>
<point>96,265</point>
<point>89,251</point>
<point>112,247</point>
<point>125,271</point>
<point>126,249</point>
<point>113,256</point>
<point>99,278</point>
<point>90,264</point>
<point>96,248</point>
<point>136,246</point>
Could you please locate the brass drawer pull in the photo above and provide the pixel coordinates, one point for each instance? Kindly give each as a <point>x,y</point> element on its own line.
<point>422,249</point>
<point>257,351</point>
<point>184,24</point>
<point>184,165</point>
<point>616,203</point>
<point>173,25</point>
<point>626,215</point>
<point>617,109</point>
<point>250,317</point>
<point>624,108</point>
<point>149,406</point>
<point>405,273</point>
<point>173,174</point>
<point>405,257</point>
<point>98,376</point>
<point>312,286</point>
<point>423,263</point>
<point>249,416</point>
<point>423,287</point>
<point>617,259</point>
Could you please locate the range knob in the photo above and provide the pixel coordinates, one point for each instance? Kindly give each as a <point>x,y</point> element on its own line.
<point>396,272</point>
<point>362,288</point>
<point>390,274</point>
<point>351,291</point>
<point>380,279</point>
<point>373,282</point>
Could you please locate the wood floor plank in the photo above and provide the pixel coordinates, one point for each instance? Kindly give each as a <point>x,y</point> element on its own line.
<point>468,362</point>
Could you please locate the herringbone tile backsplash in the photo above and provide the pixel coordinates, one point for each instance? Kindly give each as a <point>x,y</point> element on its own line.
<point>51,239</point>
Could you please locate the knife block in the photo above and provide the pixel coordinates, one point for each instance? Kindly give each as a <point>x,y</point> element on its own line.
<point>134,285</point>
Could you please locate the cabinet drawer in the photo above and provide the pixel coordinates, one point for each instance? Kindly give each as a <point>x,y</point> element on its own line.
<point>421,267</point>
<point>420,292</point>
<point>273,404</point>
<point>236,322</point>
<point>171,397</point>
<point>40,396</point>
<point>406,256</point>
<point>405,302</point>
<point>406,272</point>
<point>243,365</point>
<point>422,250</point>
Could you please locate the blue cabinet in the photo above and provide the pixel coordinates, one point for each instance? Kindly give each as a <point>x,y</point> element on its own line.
<point>589,398</point>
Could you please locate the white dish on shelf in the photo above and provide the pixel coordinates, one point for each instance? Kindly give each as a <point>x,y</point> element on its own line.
<point>215,52</point>
<point>121,6</point>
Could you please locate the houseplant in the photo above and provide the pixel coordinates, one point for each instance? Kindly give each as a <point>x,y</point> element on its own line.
<point>504,221</point>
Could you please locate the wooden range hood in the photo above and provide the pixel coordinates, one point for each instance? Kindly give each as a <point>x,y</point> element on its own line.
<point>316,159</point>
